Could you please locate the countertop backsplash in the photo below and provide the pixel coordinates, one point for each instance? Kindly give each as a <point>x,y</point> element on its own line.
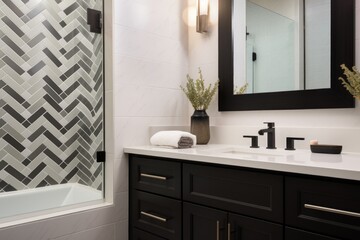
<point>234,135</point>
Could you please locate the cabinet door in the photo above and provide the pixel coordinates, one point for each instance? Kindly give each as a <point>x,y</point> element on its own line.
<point>200,223</point>
<point>325,207</point>
<point>156,214</point>
<point>141,235</point>
<point>246,228</point>
<point>156,176</point>
<point>249,193</point>
<point>295,234</point>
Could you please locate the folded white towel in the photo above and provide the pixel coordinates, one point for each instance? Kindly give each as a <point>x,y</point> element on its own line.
<point>175,139</point>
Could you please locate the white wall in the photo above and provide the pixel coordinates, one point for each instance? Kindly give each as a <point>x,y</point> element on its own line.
<point>150,62</point>
<point>203,52</point>
<point>150,54</point>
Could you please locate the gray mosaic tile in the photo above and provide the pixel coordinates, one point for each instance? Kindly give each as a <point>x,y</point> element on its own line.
<point>52,57</point>
<point>13,132</point>
<point>2,133</point>
<point>13,65</point>
<point>15,95</point>
<point>51,29</point>
<point>36,68</point>
<point>12,45</point>
<point>12,26</point>
<point>71,8</point>
<point>33,42</point>
<point>36,11</point>
<point>51,103</point>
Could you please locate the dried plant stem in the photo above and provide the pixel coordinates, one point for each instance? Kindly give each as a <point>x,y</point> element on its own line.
<point>199,95</point>
<point>352,82</point>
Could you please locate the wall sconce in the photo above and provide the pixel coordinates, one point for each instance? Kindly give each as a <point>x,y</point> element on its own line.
<point>202,18</point>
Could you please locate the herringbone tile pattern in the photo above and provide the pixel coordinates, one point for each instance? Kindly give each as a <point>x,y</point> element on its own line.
<point>51,94</point>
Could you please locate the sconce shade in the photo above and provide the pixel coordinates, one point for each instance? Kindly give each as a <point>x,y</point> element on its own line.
<point>202,18</point>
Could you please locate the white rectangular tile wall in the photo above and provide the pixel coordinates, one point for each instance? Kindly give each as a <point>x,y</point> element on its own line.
<point>150,61</point>
<point>150,55</point>
<point>51,88</point>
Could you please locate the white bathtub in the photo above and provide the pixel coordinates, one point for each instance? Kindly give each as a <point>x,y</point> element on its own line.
<point>39,199</point>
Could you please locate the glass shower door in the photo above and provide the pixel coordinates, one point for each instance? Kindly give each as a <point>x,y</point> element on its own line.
<point>51,102</point>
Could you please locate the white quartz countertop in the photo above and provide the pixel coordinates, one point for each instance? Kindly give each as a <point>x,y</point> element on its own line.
<point>345,165</point>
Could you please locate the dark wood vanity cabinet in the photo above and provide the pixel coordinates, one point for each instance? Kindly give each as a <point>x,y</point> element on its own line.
<point>201,222</point>
<point>155,199</point>
<point>327,207</point>
<point>141,235</point>
<point>253,194</point>
<point>295,234</point>
<point>182,200</point>
<point>242,227</point>
<point>204,223</point>
<point>157,214</point>
<point>156,176</point>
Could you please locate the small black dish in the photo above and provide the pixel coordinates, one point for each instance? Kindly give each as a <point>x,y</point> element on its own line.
<point>328,149</point>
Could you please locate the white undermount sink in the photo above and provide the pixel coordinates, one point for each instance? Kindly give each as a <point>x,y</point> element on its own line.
<point>241,152</point>
<point>249,153</point>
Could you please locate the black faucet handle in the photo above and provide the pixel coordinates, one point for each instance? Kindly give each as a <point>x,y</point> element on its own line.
<point>290,142</point>
<point>254,141</point>
<point>270,124</point>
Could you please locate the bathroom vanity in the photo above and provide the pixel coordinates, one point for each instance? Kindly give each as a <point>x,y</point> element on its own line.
<point>224,192</point>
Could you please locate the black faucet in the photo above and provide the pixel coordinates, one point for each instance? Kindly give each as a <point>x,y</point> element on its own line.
<point>270,134</point>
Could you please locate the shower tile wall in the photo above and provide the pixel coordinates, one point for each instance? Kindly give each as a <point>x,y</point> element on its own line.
<point>51,94</point>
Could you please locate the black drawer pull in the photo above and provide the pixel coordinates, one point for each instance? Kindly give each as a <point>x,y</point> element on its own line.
<point>332,210</point>
<point>153,176</point>
<point>153,216</point>
<point>217,230</point>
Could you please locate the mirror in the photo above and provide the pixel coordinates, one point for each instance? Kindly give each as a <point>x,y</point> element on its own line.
<point>284,54</point>
<point>293,34</point>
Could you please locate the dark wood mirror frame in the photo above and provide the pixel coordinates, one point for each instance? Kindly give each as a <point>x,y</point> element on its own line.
<point>342,51</point>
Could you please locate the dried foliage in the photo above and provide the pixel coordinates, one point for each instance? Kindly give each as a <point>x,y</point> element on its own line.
<point>352,82</point>
<point>199,95</point>
<point>238,91</point>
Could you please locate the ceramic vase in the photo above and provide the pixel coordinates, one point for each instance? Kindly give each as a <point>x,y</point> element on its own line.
<point>200,126</point>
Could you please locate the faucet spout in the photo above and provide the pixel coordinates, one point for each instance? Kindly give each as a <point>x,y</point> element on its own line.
<point>270,135</point>
<point>263,131</point>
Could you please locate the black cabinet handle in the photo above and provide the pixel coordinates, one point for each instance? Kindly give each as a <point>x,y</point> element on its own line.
<point>290,143</point>
<point>254,141</point>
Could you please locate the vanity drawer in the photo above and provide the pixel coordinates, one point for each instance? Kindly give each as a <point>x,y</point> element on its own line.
<point>254,194</point>
<point>156,176</point>
<point>323,206</point>
<point>141,235</point>
<point>156,214</point>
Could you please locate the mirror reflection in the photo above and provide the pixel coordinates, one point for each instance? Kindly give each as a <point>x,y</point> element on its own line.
<point>281,45</point>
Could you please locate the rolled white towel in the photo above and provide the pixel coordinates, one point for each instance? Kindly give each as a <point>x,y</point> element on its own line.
<point>175,139</point>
